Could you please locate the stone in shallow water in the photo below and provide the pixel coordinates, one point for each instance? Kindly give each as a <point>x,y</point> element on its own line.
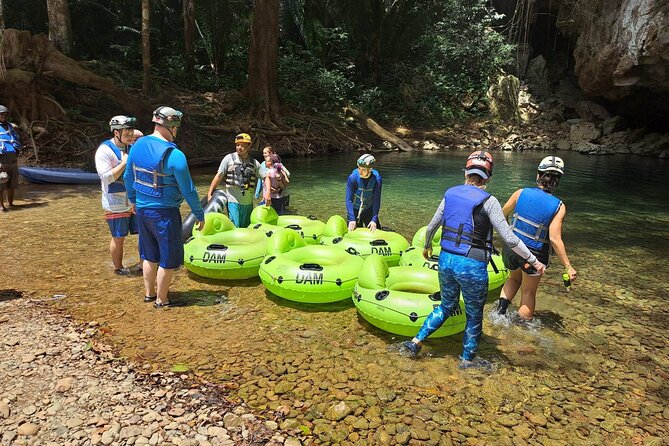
<point>28,429</point>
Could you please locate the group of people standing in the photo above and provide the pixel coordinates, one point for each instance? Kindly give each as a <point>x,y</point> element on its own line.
<point>467,215</point>
<point>143,189</point>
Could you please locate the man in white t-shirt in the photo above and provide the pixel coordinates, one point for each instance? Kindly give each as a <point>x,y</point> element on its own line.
<point>240,174</point>
<point>110,161</point>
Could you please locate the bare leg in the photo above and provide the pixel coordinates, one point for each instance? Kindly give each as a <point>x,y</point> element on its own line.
<point>528,296</point>
<point>149,270</point>
<point>164,280</point>
<point>512,285</point>
<point>10,197</point>
<point>2,199</point>
<point>116,249</point>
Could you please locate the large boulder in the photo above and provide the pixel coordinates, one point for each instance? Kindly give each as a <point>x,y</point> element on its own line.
<point>503,97</point>
<point>621,45</point>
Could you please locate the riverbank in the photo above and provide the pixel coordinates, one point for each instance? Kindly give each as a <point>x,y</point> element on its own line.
<point>60,385</point>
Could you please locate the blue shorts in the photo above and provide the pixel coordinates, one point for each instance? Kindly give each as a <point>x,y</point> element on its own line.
<point>160,236</point>
<point>240,214</point>
<point>122,226</point>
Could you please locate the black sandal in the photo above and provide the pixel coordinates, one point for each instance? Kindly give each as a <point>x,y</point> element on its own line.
<point>149,298</point>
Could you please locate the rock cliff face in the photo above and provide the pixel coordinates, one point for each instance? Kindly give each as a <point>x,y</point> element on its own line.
<point>621,45</point>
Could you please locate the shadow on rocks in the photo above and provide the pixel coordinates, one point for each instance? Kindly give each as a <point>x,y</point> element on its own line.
<point>310,308</point>
<point>11,294</point>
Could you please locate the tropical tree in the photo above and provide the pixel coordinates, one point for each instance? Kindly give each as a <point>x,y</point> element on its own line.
<point>146,45</point>
<point>189,35</point>
<point>60,28</point>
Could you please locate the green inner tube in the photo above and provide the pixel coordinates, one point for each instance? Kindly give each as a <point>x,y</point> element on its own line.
<point>308,273</point>
<point>364,242</point>
<point>398,299</point>
<point>221,251</point>
<point>265,218</point>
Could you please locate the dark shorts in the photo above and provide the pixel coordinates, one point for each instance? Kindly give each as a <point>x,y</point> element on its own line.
<point>122,226</point>
<point>513,261</point>
<point>12,170</point>
<point>160,237</point>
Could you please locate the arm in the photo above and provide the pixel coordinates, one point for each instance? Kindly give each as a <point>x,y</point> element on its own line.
<point>128,179</point>
<point>376,204</point>
<point>104,158</point>
<point>267,196</point>
<point>432,228</point>
<point>176,161</point>
<point>496,216</point>
<point>350,191</point>
<point>510,204</point>
<point>222,169</point>
<point>555,231</point>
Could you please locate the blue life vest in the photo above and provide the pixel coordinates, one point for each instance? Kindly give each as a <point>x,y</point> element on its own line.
<point>363,197</point>
<point>463,225</point>
<point>118,185</point>
<point>148,161</point>
<point>532,216</point>
<point>9,140</point>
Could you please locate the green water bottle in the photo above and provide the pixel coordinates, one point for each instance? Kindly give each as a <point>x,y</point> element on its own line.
<point>567,281</point>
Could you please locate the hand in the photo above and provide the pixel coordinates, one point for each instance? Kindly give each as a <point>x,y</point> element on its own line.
<point>209,194</point>
<point>133,208</point>
<point>572,273</point>
<point>427,253</point>
<point>351,226</point>
<point>372,226</point>
<point>200,225</point>
<point>124,157</point>
<point>268,201</point>
<point>540,267</point>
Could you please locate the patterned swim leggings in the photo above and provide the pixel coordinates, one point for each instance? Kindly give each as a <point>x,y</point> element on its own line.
<point>458,273</point>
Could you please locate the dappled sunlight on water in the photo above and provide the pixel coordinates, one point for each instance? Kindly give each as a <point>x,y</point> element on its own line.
<point>580,374</point>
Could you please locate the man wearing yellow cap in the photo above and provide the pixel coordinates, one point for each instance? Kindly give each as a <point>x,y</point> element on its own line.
<point>240,173</point>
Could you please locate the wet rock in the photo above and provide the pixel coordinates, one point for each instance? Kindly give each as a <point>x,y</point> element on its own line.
<point>612,125</point>
<point>291,441</point>
<point>232,421</point>
<point>583,131</point>
<point>507,420</point>
<point>403,437</point>
<point>653,441</point>
<point>523,431</point>
<point>338,411</point>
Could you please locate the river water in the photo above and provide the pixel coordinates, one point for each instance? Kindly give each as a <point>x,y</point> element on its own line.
<point>593,369</point>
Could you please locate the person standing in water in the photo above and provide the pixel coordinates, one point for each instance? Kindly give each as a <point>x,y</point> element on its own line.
<point>275,183</point>
<point>240,173</point>
<point>467,214</point>
<point>158,180</point>
<point>536,218</point>
<point>266,152</point>
<point>110,162</point>
<point>363,195</point>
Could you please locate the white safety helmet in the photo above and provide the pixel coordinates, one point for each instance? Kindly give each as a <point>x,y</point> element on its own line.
<point>3,109</point>
<point>167,117</point>
<point>366,160</point>
<point>122,122</point>
<point>551,164</point>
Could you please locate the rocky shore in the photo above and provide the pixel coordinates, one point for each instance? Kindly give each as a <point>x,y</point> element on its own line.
<point>59,388</point>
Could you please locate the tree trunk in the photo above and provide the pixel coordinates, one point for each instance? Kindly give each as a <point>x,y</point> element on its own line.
<point>189,35</point>
<point>377,129</point>
<point>261,89</point>
<point>2,16</point>
<point>146,45</point>
<point>60,29</point>
<point>31,66</point>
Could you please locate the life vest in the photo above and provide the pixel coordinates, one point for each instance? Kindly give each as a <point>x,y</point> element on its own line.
<point>532,217</point>
<point>9,141</point>
<point>463,225</point>
<point>241,174</point>
<point>148,166</point>
<point>118,185</point>
<point>363,197</point>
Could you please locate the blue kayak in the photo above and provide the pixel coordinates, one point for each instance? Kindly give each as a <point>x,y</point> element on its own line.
<point>58,175</point>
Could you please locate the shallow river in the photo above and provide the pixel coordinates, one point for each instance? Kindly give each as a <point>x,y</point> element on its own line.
<point>594,369</point>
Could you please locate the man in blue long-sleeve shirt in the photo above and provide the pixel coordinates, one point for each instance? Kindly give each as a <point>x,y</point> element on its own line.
<point>363,195</point>
<point>157,181</point>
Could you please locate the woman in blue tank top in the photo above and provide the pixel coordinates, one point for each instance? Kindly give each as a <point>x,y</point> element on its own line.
<point>537,217</point>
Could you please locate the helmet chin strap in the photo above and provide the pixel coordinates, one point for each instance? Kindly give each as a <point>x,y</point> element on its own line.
<point>172,132</point>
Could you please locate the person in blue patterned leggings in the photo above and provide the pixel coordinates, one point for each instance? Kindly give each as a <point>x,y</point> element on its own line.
<point>467,215</point>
